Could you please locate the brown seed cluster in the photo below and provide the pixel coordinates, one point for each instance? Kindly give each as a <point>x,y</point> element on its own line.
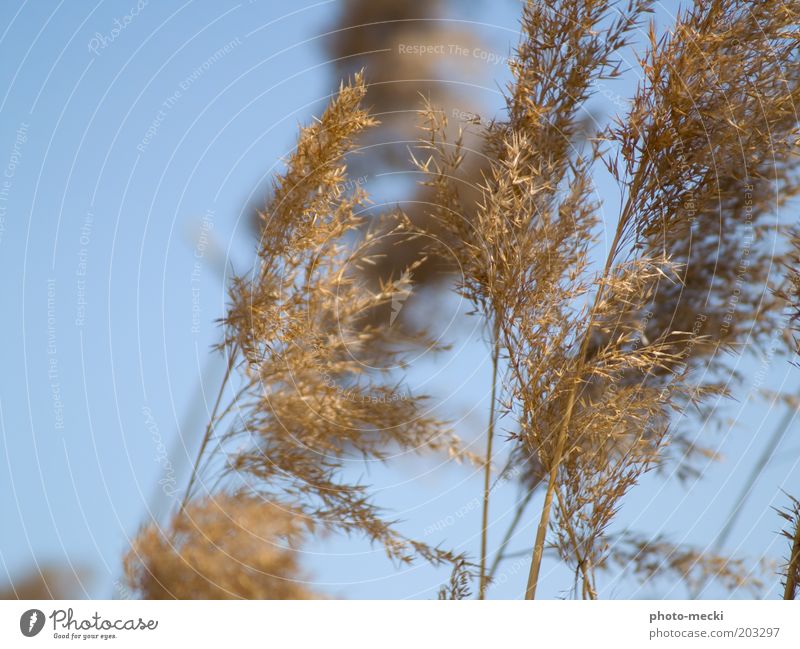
<point>225,547</point>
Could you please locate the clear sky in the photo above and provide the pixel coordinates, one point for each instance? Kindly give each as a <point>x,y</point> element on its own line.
<point>133,139</point>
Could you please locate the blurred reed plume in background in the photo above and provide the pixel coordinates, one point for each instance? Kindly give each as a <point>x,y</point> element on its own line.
<point>229,547</point>
<point>601,367</point>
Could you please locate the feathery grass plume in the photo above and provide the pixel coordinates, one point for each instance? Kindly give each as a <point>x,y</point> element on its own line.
<point>791,571</point>
<point>229,546</point>
<point>707,156</point>
<point>651,559</point>
<point>595,380</point>
<point>708,153</point>
<point>525,255</point>
<point>790,295</point>
<point>459,585</point>
<point>319,384</point>
<point>674,143</point>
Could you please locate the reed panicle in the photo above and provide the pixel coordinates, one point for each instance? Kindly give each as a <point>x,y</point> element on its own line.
<point>653,559</point>
<point>697,157</point>
<point>318,374</point>
<point>225,547</point>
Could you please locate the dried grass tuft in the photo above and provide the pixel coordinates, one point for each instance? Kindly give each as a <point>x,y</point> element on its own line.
<point>225,547</point>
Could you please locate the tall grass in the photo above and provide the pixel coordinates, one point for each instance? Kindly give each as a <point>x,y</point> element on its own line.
<point>594,365</point>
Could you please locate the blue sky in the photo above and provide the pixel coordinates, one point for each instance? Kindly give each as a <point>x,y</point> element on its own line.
<point>130,134</point>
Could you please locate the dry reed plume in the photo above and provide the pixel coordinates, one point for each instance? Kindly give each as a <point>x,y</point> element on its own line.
<point>597,367</point>
<point>225,547</point>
